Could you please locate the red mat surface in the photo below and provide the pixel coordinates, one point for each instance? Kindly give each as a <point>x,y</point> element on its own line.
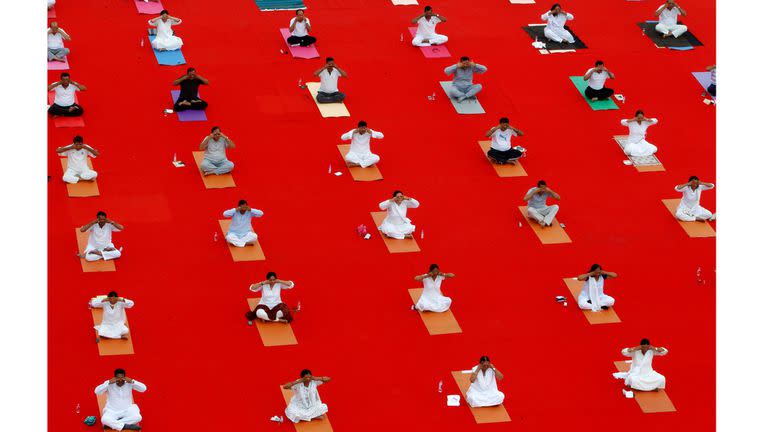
<point>197,355</point>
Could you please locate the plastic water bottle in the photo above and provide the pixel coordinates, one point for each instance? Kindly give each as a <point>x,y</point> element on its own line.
<point>440,386</point>
<point>329,168</point>
<point>434,96</point>
<point>298,306</point>
<point>698,275</point>
<point>174,157</point>
<point>142,41</point>
<point>77,409</point>
<point>422,234</point>
<point>216,236</point>
<point>565,304</point>
<point>301,83</point>
<point>519,224</point>
<point>401,37</point>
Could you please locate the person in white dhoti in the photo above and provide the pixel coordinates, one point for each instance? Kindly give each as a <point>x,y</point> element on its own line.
<point>425,33</point>
<point>483,390</point>
<point>113,316</point>
<point>77,155</point>
<point>120,413</point>
<point>100,239</point>
<point>689,209</point>
<point>240,231</point>
<point>432,298</point>
<point>668,25</point>
<point>555,28</point>
<point>215,148</point>
<point>537,203</point>
<point>271,307</point>
<point>641,375</point>
<point>56,38</point>
<point>396,225</point>
<point>305,404</point>
<point>360,151</point>
<point>501,151</point>
<point>164,39</point>
<point>636,145</point>
<point>592,297</point>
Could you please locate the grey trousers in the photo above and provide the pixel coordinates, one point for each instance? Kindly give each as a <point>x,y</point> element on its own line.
<point>217,167</point>
<point>58,53</point>
<point>464,93</point>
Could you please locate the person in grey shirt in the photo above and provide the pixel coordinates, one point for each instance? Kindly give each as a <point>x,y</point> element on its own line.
<point>215,159</point>
<point>537,203</point>
<point>462,72</point>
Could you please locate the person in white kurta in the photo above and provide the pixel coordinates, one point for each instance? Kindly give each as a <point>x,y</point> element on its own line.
<point>668,25</point>
<point>483,390</point>
<point>113,316</point>
<point>164,39</point>
<point>120,413</point>
<point>592,297</point>
<point>641,375</point>
<point>425,33</point>
<point>396,225</point>
<point>240,232</point>
<point>100,239</point>
<point>305,404</point>
<point>636,145</point>
<point>271,307</point>
<point>689,209</point>
<point>555,28</point>
<point>360,150</point>
<point>432,298</point>
<point>77,155</point>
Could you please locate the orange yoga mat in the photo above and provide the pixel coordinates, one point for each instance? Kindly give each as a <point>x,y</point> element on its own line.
<point>213,181</point>
<point>505,170</point>
<point>112,346</point>
<point>247,253</point>
<point>395,246</point>
<point>371,173</point>
<point>495,414</point>
<point>548,235</point>
<point>649,402</point>
<point>437,323</point>
<point>693,229</point>
<point>320,425</point>
<point>607,316</point>
<point>91,266</point>
<point>273,334</point>
<point>82,188</point>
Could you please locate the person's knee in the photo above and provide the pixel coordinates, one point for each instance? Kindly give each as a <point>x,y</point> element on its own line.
<point>477,87</point>
<point>262,315</point>
<point>228,166</point>
<point>339,96</point>
<point>555,207</point>
<point>92,257</point>
<point>416,41</point>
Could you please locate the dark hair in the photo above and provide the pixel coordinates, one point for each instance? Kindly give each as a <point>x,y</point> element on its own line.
<point>270,274</point>
<point>638,112</point>
<point>190,70</point>
<point>484,358</point>
<point>692,178</point>
<point>328,59</point>
<point>362,123</point>
<point>541,183</point>
<point>64,75</point>
<point>433,266</point>
<point>112,294</point>
<point>504,120</point>
<point>101,213</point>
<point>644,341</point>
<point>556,5</point>
<point>299,10</point>
<point>464,58</point>
<point>305,372</point>
<point>119,371</point>
<point>241,202</point>
<point>427,8</point>
<point>595,267</point>
<point>394,194</point>
<point>213,129</point>
<point>164,11</point>
<point>77,139</point>
<point>599,62</point>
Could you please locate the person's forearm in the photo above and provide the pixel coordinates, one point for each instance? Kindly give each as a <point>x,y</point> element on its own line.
<point>610,274</point>
<point>117,225</point>
<point>230,143</point>
<point>79,86</point>
<point>491,131</point>
<point>92,150</point>
<point>87,226</point>
<point>54,85</point>
<point>341,71</point>
<point>317,72</point>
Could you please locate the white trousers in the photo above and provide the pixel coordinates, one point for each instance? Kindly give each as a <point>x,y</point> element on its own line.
<point>72,176</point>
<point>605,300</point>
<point>686,214</point>
<point>559,35</point>
<point>544,215</point>
<point>105,255</point>
<point>261,314</point>
<point>435,39</point>
<point>241,241</point>
<point>117,419</point>
<point>364,160</point>
<point>676,29</point>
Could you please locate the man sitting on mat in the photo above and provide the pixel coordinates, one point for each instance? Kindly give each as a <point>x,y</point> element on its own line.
<point>240,233</point>
<point>100,239</point>
<point>501,151</point>
<point>555,29</point>
<point>56,38</point>
<point>592,297</point>
<point>77,155</point>
<point>668,25</point>
<point>299,29</point>
<point>463,71</point>
<point>329,82</point>
<point>305,405</point>
<point>537,203</point>
<point>120,413</point>
<point>596,77</point>
<point>271,307</point>
<point>360,150</point>
<point>432,298</point>
<point>483,390</point>
<point>396,225</point>
<point>64,97</point>
<point>113,316</point>
<point>641,375</point>
<point>689,209</point>
<point>425,34</point>
<point>215,159</point>
<point>636,145</point>
<point>165,39</point>
<point>189,99</point>
<point>712,88</point>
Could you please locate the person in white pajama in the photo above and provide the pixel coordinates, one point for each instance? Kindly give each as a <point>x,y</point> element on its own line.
<point>592,297</point>
<point>432,298</point>
<point>396,225</point>
<point>100,239</point>
<point>56,38</point>
<point>483,390</point>
<point>641,375</point>
<point>360,150</point>
<point>305,405</point>
<point>215,148</point>
<point>120,413</point>
<point>636,145</point>
<point>165,40</point>
<point>77,155</point>
<point>113,317</point>
<point>668,25</point>
<point>271,307</point>
<point>689,209</point>
<point>240,233</point>
<point>537,203</point>
<point>425,34</point>
<point>555,28</point>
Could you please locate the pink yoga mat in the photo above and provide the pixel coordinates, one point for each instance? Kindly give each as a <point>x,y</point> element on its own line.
<point>57,65</point>
<point>52,13</point>
<point>435,51</point>
<point>307,52</point>
<point>148,8</point>
<point>61,121</point>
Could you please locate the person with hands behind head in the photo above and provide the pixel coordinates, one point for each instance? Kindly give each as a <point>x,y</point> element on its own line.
<point>120,413</point>
<point>271,307</point>
<point>56,38</point>
<point>432,298</point>
<point>100,239</point>
<point>396,225</point>
<point>329,82</point>
<point>77,155</point>
<point>690,209</point>
<point>215,148</point>
<point>592,297</point>
<point>483,390</point>
<point>641,375</point>
<point>462,87</point>
<point>360,150</point>
<point>425,33</point>
<point>240,233</point>
<point>189,97</point>
<point>537,203</point>
<point>555,30</point>
<point>165,39</point>
<point>300,28</point>
<point>668,26</point>
<point>113,317</point>
<point>305,405</point>
<point>596,77</point>
<point>64,97</point>
<point>636,145</point>
<point>501,151</point>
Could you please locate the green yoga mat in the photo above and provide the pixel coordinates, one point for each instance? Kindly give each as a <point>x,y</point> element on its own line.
<point>600,105</point>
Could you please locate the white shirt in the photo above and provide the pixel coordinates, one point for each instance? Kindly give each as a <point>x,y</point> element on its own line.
<point>556,22</point>
<point>77,160</point>
<point>329,82</point>
<point>270,295</point>
<point>361,144</point>
<point>241,222</point>
<point>427,26</point>
<point>597,79</point>
<point>65,97</point>
<point>101,237</point>
<point>119,398</point>
<point>55,41</point>
<point>502,140</point>
<point>216,150</point>
<point>691,198</point>
<point>669,17</point>
<point>301,27</point>
<point>637,130</point>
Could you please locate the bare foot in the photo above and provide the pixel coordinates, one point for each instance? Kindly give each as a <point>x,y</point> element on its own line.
<point>409,236</point>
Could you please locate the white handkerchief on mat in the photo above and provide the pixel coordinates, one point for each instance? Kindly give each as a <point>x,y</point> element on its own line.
<point>453,400</point>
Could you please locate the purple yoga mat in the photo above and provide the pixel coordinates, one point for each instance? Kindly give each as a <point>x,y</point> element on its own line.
<point>435,51</point>
<point>307,52</point>
<point>57,65</point>
<point>148,8</point>
<point>188,115</point>
<point>704,78</point>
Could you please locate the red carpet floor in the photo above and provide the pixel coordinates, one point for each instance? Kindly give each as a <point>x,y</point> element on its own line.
<point>208,371</point>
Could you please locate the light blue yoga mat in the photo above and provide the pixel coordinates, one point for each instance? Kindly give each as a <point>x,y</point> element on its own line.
<point>168,58</point>
<point>273,5</point>
<point>607,104</point>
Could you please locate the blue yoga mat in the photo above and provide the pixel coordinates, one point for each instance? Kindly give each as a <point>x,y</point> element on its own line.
<point>272,5</point>
<point>599,105</point>
<point>168,58</point>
